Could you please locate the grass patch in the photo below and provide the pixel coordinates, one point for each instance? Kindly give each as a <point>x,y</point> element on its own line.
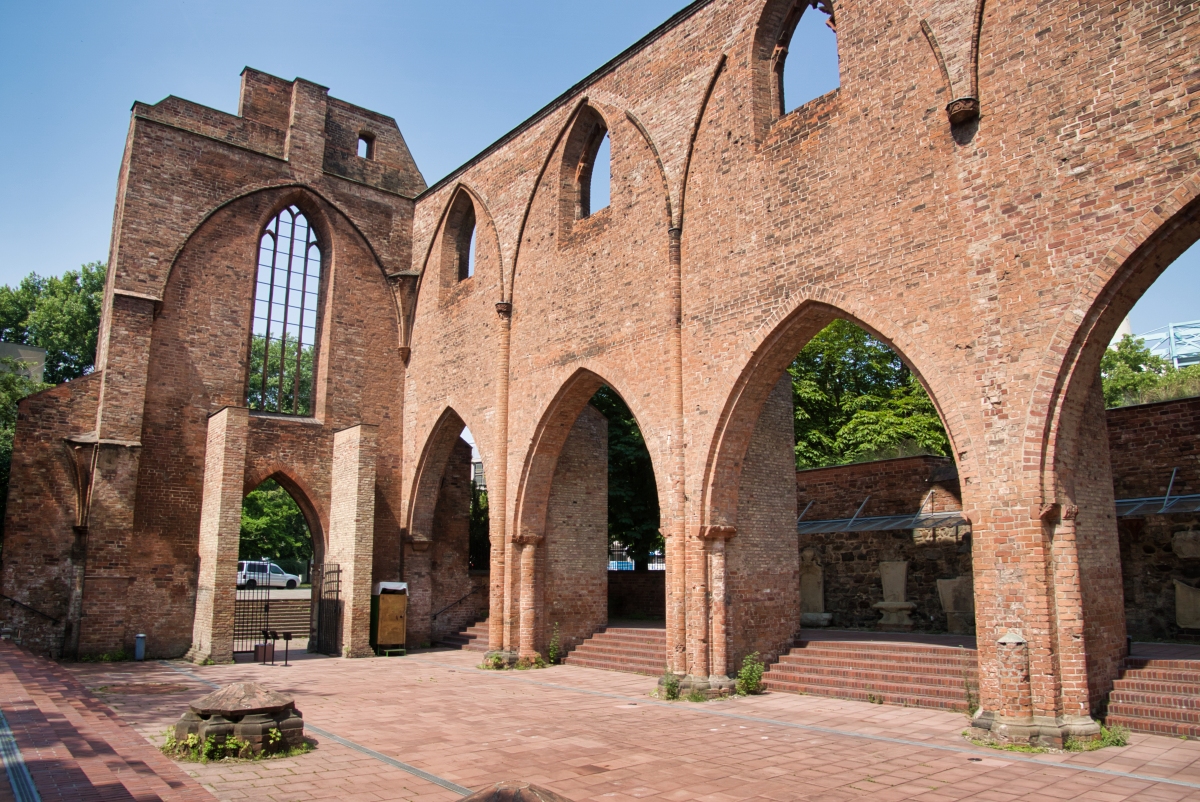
<point>193,750</point>
<point>1116,735</point>
<point>1025,749</point>
<point>117,656</point>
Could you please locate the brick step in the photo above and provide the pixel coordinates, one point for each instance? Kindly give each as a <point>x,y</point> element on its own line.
<point>634,636</point>
<point>899,684</point>
<point>628,667</point>
<point>1160,675</point>
<point>910,697</point>
<point>1154,726</point>
<point>875,646</point>
<point>1138,663</point>
<point>1156,711</point>
<point>890,662</point>
<point>1171,701</point>
<point>1138,684</point>
<point>834,675</point>
<point>937,655</point>
<point>473,638</point>
<point>618,650</point>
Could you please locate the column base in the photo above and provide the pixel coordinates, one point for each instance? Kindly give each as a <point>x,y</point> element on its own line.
<point>204,657</point>
<point>1035,730</point>
<point>507,658</point>
<point>711,687</point>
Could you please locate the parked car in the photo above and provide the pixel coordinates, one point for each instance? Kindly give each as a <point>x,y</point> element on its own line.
<point>252,574</point>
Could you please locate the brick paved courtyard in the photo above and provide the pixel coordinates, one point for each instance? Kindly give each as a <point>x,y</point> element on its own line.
<point>596,735</point>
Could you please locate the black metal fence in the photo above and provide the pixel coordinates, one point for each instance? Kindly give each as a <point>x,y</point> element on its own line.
<point>327,612</point>
<point>251,615</point>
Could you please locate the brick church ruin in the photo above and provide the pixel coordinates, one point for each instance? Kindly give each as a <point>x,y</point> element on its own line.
<point>990,190</point>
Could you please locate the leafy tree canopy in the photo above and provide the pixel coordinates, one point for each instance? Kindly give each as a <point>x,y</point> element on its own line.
<point>273,525</point>
<point>1131,374</point>
<point>633,515</point>
<point>60,314</point>
<point>855,400</point>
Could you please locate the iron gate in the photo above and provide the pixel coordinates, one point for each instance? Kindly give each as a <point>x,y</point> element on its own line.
<point>327,612</point>
<point>251,615</point>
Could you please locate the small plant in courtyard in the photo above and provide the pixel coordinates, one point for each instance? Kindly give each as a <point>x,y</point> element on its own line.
<point>493,663</point>
<point>972,695</point>
<point>554,650</point>
<point>118,656</point>
<point>697,696</point>
<point>1116,735</point>
<point>194,750</point>
<point>536,661</point>
<point>749,680</point>
<point>670,685</point>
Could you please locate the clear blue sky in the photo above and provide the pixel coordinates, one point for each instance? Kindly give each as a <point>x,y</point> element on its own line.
<point>456,76</point>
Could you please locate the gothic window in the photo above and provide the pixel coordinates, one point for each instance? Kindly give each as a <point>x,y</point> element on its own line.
<point>464,244</point>
<point>807,48</point>
<point>366,146</point>
<point>587,168</point>
<point>286,303</point>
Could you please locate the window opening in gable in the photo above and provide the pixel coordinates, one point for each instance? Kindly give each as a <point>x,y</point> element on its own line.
<point>593,177</point>
<point>600,189</point>
<point>466,244</point>
<point>366,146</point>
<point>286,302</point>
<point>806,58</point>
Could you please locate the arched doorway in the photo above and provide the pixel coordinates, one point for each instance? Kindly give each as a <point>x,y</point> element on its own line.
<point>587,510</point>
<point>276,564</point>
<point>831,500</point>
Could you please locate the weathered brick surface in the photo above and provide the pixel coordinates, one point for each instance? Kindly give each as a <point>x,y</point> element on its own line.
<point>637,593</point>
<point>997,256</point>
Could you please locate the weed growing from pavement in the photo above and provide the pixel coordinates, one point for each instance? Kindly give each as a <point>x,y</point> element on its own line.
<point>749,679</point>
<point>194,750</point>
<point>1109,736</point>
<point>497,663</point>
<point>670,686</point>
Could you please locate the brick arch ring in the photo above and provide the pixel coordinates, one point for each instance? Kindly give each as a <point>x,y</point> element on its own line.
<point>768,351</point>
<point>301,493</point>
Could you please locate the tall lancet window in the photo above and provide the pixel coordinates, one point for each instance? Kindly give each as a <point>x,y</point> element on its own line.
<point>286,302</point>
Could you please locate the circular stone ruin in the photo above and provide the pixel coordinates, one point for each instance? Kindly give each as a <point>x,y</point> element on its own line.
<point>246,711</point>
<point>515,791</point>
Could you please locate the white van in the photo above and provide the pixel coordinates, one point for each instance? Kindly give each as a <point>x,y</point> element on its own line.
<point>252,574</point>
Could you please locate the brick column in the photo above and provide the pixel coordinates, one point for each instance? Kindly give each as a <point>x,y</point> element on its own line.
<point>697,614</point>
<point>418,573</point>
<point>220,535</point>
<point>675,522</point>
<point>527,644</point>
<point>1014,719</point>
<point>716,536</point>
<point>501,549</point>
<point>352,531</point>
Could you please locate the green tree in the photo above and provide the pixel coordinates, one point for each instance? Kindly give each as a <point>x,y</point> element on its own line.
<point>273,526</point>
<point>60,314</point>
<point>633,514</point>
<point>295,376</point>
<point>479,547</point>
<point>1131,374</point>
<point>856,400</point>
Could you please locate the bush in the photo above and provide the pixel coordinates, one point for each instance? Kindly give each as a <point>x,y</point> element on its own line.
<point>554,650</point>
<point>749,680</point>
<point>670,685</point>
<point>697,696</point>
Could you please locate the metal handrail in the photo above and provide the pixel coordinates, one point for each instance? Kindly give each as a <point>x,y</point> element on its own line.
<point>47,616</point>
<point>451,604</point>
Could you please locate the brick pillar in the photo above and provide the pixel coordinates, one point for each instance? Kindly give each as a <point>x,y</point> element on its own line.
<point>528,590</point>
<point>501,549</point>
<point>352,532</point>
<point>418,573</point>
<point>1014,718</point>
<point>675,521</point>
<point>719,612</point>
<point>220,535</point>
<point>697,614</point>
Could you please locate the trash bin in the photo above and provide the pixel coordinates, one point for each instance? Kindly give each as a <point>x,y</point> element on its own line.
<point>389,614</point>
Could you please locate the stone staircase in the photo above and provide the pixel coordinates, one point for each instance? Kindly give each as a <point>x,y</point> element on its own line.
<point>471,639</point>
<point>75,747</point>
<point>634,650</point>
<point>286,615</point>
<point>883,671</point>
<point>1157,696</point>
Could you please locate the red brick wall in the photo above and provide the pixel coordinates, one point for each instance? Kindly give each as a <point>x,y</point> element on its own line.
<point>1147,441</point>
<point>763,559</point>
<point>894,487</point>
<point>575,595</point>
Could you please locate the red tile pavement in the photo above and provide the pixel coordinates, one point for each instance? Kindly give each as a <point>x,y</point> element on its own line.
<point>596,735</point>
<point>75,748</point>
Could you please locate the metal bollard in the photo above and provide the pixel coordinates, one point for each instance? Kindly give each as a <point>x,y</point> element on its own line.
<point>139,648</point>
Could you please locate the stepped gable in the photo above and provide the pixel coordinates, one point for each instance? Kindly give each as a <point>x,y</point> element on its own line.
<point>939,672</point>
<point>1157,695</point>
<point>634,650</point>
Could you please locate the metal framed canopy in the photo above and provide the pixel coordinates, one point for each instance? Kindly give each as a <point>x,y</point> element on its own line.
<point>1158,505</point>
<point>880,523</point>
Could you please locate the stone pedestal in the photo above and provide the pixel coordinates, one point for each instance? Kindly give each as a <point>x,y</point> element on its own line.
<point>515,791</point>
<point>958,600</point>
<point>247,711</point>
<point>895,609</point>
<point>812,591</point>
